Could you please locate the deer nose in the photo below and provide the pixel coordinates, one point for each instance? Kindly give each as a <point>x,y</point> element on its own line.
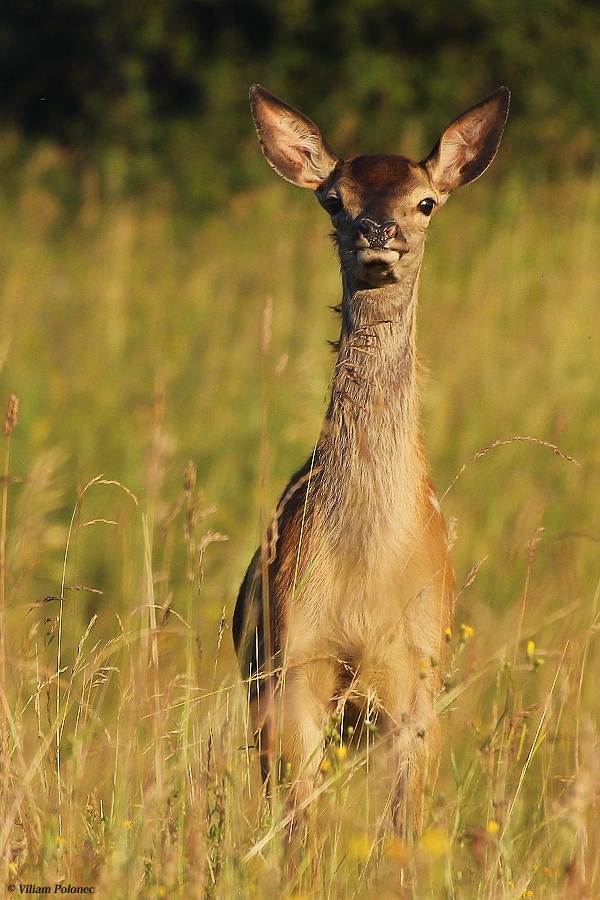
<point>376,234</point>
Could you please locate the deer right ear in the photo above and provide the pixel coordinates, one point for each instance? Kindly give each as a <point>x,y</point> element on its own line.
<point>291,143</point>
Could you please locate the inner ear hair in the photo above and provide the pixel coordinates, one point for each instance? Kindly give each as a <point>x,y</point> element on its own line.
<point>292,144</point>
<point>469,144</point>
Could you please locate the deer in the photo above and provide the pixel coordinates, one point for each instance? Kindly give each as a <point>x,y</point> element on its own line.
<point>351,594</point>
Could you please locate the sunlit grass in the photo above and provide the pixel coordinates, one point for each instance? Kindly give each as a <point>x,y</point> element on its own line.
<point>132,339</point>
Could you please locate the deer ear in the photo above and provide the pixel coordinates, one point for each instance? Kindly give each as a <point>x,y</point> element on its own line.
<point>469,144</point>
<point>291,143</point>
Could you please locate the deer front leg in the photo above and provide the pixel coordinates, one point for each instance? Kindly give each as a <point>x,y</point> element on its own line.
<point>305,704</point>
<point>414,734</point>
<point>415,766</point>
<point>262,717</point>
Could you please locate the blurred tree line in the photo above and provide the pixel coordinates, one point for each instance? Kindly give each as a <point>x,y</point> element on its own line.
<point>150,88</point>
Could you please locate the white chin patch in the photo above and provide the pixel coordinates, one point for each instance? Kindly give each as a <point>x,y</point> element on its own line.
<point>377,257</point>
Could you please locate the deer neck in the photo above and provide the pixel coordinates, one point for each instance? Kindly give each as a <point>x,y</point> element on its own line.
<point>372,465</point>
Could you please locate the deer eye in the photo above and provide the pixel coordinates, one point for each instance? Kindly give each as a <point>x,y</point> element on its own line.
<point>426,206</point>
<point>333,205</point>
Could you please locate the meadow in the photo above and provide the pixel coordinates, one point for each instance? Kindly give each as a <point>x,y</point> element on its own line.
<point>171,374</point>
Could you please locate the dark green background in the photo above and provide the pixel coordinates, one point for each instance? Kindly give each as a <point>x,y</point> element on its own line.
<point>159,88</point>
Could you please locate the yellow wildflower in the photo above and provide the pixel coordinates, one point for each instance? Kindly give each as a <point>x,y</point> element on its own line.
<point>359,846</point>
<point>466,632</point>
<point>493,827</point>
<point>435,842</point>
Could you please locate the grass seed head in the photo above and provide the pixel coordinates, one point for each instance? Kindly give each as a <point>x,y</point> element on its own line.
<point>12,414</point>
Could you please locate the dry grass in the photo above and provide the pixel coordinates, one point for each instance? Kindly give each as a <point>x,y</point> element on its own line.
<point>137,343</point>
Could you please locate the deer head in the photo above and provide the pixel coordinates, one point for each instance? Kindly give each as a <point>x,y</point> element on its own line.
<point>380,206</point>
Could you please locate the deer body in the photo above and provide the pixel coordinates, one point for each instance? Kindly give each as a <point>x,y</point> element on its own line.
<point>349,596</point>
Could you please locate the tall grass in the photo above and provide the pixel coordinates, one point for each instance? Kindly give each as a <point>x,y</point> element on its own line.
<point>156,422</point>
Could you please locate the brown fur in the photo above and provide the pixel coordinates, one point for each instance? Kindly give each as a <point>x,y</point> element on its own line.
<point>352,589</point>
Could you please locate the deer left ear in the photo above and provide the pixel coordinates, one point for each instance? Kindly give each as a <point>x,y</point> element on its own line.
<point>469,144</point>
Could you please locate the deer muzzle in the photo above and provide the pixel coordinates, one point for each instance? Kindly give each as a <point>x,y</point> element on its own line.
<point>377,235</point>
<point>377,257</point>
